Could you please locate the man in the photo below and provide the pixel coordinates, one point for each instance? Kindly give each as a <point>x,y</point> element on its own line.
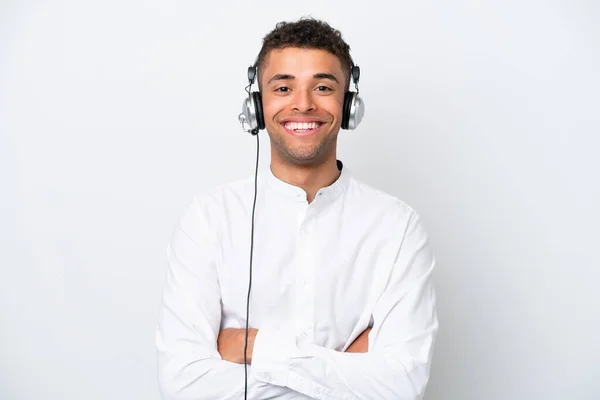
<point>342,305</point>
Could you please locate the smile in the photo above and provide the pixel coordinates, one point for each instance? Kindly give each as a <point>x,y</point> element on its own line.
<point>302,128</point>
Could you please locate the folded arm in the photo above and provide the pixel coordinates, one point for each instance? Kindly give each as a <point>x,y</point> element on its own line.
<point>189,365</point>
<point>401,341</point>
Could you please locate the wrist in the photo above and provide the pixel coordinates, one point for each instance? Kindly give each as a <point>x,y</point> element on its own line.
<point>250,348</point>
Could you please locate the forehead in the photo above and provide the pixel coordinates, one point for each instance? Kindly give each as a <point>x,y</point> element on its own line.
<point>301,62</point>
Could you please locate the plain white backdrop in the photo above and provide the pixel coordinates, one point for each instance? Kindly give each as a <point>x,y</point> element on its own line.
<point>484,116</point>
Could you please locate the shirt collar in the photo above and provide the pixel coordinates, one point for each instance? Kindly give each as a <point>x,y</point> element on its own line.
<point>329,192</point>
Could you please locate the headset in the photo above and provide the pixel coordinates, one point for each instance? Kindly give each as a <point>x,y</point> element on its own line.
<point>252,109</point>
<point>252,120</point>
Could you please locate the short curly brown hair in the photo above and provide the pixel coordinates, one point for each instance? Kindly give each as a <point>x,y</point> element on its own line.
<point>307,33</point>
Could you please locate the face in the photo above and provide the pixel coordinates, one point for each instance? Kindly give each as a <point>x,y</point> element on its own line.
<point>302,94</point>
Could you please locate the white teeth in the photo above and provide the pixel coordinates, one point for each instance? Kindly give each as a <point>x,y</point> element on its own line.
<point>302,125</point>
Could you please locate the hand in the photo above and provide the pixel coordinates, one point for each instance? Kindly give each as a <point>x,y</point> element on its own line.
<point>361,343</point>
<point>230,344</point>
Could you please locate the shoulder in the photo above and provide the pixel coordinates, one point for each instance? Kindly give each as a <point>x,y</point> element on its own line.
<point>222,194</point>
<point>369,197</point>
<point>211,204</point>
<point>393,218</point>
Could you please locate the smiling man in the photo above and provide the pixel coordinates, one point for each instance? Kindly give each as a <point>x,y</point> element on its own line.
<point>303,113</point>
<point>303,108</point>
<point>342,304</point>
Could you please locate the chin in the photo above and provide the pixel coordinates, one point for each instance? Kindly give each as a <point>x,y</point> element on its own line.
<point>305,155</point>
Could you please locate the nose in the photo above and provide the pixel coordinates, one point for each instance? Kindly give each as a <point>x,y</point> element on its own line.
<point>303,101</point>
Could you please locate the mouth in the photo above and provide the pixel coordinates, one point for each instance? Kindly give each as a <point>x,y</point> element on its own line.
<point>302,128</point>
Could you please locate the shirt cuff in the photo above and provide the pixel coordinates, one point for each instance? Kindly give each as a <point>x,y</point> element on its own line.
<point>271,355</point>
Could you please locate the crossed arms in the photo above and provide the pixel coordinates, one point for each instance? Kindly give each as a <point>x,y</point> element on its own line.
<point>231,344</point>
<point>197,360</point>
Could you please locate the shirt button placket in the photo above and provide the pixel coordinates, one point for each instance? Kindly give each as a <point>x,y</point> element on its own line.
<point>304,296</point>
<point>306,287</point>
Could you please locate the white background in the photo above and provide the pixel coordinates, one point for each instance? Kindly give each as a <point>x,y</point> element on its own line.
<point>484,116</point>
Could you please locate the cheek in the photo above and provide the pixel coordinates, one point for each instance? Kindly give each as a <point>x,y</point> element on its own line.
<point>272,106</point>
<point>332,106</point>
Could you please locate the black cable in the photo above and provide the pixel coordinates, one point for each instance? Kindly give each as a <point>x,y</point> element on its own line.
<point>250,278</point>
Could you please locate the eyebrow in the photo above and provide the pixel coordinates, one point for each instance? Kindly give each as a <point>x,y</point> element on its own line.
<point>320,75</point>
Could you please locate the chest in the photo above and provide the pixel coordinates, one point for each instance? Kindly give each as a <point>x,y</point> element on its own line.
<point>320,282</point>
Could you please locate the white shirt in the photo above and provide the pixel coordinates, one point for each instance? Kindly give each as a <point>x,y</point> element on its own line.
<point>355,257</point>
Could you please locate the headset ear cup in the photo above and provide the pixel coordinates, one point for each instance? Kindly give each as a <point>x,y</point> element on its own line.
<point>348,98</point>
<point>260,119</point>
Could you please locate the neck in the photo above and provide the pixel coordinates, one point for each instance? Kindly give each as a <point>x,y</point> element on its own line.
<point>309,178</point>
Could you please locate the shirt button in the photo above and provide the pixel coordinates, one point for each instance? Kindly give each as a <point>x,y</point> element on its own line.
<point>267,377</point>
<point>318,393</point>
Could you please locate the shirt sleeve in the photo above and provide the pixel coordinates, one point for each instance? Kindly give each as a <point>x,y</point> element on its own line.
<point>189,365</point>
<point>397,364</point>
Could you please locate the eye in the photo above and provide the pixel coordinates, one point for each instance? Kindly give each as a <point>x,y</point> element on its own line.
<point>282,89</point>
<point>324,88</point>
